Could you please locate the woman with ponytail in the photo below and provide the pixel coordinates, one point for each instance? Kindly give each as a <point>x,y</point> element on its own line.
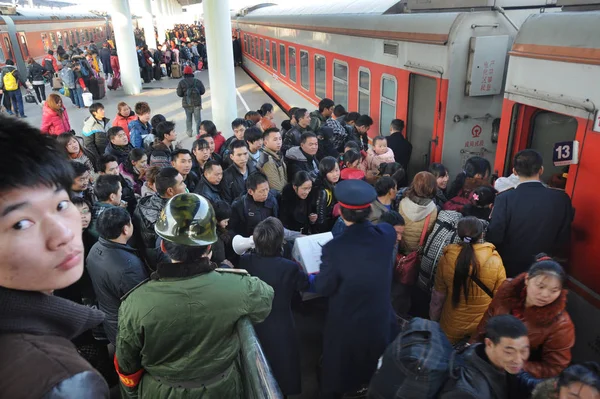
<point>468,275</point>
<point>266,112</point>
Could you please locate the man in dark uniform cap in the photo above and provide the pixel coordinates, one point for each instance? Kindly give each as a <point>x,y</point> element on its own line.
<point>356,275</point>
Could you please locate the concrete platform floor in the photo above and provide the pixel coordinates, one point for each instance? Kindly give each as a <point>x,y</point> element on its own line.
<point>161,97</point>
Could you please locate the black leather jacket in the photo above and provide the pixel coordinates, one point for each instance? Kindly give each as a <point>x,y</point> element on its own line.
<point>233,184</point>
<point>323,203</point>
<point>208,191</point>
<point>144,217</point>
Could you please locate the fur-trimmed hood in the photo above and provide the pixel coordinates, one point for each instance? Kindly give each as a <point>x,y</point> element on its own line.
<point>513,293</point>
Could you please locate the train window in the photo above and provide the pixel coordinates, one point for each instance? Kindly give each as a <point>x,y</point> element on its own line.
<point>73,41</point>
<point>53,39</point>
<point>255,48</point>
<point>67,39</point>
<point>8,47</point>
<point>2,56</point>
<point>24,48</point>
<point>268,52</point>
<point>388,103</point>
<point>340,83</point>
<point>282,59</point>
<point>304,73</point>
<point>45,42</point>
<point>320,76</point>
<point>261,50</point>
<point>274,55</point>
<point>292,61</point>
<point>364,91</point>
<point>60,39</point>
<point>245,43</point>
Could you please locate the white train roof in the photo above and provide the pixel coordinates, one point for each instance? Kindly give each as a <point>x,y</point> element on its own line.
<point>328,7</point>
<point>565,29</point>
<point>53,14</point>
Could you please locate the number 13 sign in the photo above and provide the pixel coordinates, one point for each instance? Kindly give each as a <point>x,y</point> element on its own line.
<point>565,153</point>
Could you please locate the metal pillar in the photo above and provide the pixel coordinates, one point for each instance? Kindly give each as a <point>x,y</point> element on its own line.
<point>145,8</point>
<point>220,63</point>
<point>125,42</point>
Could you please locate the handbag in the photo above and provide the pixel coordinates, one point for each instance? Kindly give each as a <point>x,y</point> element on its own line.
<point>30,98</point>
<point>407,266</point>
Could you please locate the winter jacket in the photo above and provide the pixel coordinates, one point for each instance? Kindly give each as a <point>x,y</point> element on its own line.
<point>219,141</point>
<point>339,133</point>
<point>94,135</point>
<point>123,122</point>
<point>372,161</point>
<point>458,202</point>
<point>36,74</point>
<point>233,183</point>
<point>190,100</point>
<point>291,138</point>
<point>119,152</point>
<point>208,191</point>
<point>401,148</point>
<point>298,160</point>
<point>53,123</point>
<point>68,77</point>
<point>461,321</point>
<point>265,123</point>
<point>156,340</point>
<point>144,217</point>
<point>38,359</point>
<point>10,69</point>
<point>273,166</point>
<point>293,211</point>
<point>316,121</point>
<point>114,269</point>
<point>550,329</point>
<point>414,216</point>
<point>377,209</point>
<point>97,210</point>
<point>361,139</point>
<point>246,214</point>
<point>160,155</point>
<point>324,200</point>
<point>277,334</point>
<point>138,133</point>
<point>51,60</point>
<point>115,66</point>
<point>478,378</point>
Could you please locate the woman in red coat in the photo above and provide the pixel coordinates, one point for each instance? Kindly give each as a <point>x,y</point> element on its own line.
<point>55,119</point>
<point>538,299</point>
<point>123,117</point>
<point>116,68</point>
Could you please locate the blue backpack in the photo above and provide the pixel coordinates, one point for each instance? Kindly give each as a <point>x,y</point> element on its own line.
<point>416,365</point>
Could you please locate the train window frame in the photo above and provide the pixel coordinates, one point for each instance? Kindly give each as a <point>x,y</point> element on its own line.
<point>59,39</point>
<point>2,55</point>
<point>261,50</point>
<point>387,101</point>
<point>44,37</point>
<point>299,55</point>
<point>53,40</point>
<point>324,77</point>
<point>9,48</point>
<point>67,39</point>
<point>23,44</point>
<point>295,69</point>
<point>73,41</point>
<point>282,59</point>
<point>362,90</point>
<point>267,52</point>
<point>274,47</point>
<point>341,81</point>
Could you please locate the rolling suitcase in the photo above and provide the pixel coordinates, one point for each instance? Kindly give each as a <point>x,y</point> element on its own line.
<point>176,71</point>
<point>97,88</point>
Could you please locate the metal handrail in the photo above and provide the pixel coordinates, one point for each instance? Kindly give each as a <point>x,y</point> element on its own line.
<point>258,379</point>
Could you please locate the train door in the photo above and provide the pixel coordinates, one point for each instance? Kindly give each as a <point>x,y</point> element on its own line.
<point>7,46</point>
<point>540,130</point>
<point>23,45</point>
<point>421,117</point>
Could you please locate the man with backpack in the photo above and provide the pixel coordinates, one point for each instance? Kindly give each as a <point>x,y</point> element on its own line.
<point>10,82</point>
<point>421,363</point>
<point>191,91</point>
<point>50,64</point>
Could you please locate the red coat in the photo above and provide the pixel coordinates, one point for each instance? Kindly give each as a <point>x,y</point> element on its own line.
<point>114,64</point>
<point>123,122</point>
<point>550,329</point>
<point>53,123</point>
<point>219,141</point>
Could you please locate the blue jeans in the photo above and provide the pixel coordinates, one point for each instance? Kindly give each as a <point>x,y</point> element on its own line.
<point>17,101</point>
<point>77,94</point>
<point>196,113</point>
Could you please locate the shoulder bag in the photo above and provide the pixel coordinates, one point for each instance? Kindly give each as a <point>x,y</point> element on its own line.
<point>485,289</point>
<point>407,266</point>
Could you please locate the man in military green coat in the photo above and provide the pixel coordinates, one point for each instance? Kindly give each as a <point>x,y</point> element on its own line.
<point>177,335</point>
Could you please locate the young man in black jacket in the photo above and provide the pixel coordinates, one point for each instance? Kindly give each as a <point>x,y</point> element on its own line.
<point>41,251</point>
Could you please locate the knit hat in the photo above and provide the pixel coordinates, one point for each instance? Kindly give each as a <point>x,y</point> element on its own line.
<point>188,70</point>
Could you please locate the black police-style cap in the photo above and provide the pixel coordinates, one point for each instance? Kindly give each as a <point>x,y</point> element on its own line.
<point>355,194</point>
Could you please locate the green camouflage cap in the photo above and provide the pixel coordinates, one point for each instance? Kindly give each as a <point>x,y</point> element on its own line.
<point>188,219</point>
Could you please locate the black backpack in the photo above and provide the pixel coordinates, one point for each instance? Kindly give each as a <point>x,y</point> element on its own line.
<point>416,365</point>
<point>192,94</point>
<point>48,66</point>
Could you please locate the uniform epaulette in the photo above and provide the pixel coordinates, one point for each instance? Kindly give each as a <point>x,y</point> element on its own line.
<point>133,289</point>
<point>243,272</point>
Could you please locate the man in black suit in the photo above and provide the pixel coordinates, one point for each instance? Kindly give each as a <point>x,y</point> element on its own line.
<point>396,141</point>
<point>531,218</point>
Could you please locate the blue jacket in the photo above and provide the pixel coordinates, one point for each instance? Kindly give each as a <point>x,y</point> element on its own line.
<point>356,275</point>
<point>138,132</point>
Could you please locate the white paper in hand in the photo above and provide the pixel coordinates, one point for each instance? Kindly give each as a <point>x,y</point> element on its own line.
<point>307,251</point>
